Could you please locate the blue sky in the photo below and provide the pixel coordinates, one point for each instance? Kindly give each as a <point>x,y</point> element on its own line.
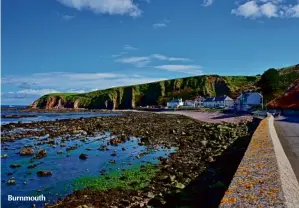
<point>82,45</point>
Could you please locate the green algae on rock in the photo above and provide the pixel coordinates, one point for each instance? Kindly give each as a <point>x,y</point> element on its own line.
<point>131,179</point>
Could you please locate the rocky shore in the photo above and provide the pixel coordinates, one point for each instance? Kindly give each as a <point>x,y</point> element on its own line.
<point>200,147</point>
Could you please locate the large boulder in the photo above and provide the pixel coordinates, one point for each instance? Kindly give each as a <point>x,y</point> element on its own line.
<point>41,153</point>
<point>26,151</point>
<point>83,156</point>
<point>44,173</point>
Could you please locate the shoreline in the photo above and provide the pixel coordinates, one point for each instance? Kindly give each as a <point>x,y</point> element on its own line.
<point>197,150</point>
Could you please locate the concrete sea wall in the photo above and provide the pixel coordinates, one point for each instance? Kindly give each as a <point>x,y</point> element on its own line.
<point>264,177</point>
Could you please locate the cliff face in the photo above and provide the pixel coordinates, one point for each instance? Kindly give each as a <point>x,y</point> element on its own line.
<point>289,99</point>
<point>148,94</point>
<point>158,93</point>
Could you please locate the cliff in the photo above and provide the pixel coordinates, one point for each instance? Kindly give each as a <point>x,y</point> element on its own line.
<point>289,99</point>
<point>158,93</point>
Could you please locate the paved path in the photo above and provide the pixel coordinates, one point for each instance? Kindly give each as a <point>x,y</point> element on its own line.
<point>288,132</point>
<point>212,117</point>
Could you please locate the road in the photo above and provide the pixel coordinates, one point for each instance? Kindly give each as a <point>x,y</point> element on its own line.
<point>287,129</point>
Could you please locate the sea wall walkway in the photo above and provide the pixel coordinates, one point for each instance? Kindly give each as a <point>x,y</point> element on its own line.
<point>264,177</point>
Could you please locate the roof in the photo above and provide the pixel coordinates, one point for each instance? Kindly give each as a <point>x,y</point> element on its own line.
<point>222,98</point>
<point>247,94</point>
<point>175,101</point>
<point>211,99</point>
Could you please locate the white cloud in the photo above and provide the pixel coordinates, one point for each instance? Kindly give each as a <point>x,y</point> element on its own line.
<point>141,61</point>
<point>292,11</point>
<point>147,1</point>
<point>72,82</point>
<point>207,3</point>
<point>120,54</point>
<point>161,24</point>
<point>68,17</point>
<point>188,69</point>
<point>112,7</point>
<point>267,8</point>
<point>129,48</point>
<point>29,95</point>
<point>138,61</point>
<point>166,58</point>
<point>249,9</point>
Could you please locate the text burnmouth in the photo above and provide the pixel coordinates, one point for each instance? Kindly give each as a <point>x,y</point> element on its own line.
<point>26,198</point>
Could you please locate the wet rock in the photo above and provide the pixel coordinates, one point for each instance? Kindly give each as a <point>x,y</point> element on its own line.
<point>172,178</point>
<point>88,149</point>
<point>15,165</point>
<point>84,206</point>
<point>71,148</point>
<point>62,145</point>
<point>103,172</point>
<point>179,185</point>
<point>83,156</point>
<point>102,147</point>
<point>11,182</point>
<point>41,154</point>
<point>44,173</point>
<point>155,202</point>
<point>32,166</point>
<point>112,161</point>
<point>204,142</point>
<point>125,202</point>
<point>150,195</point>
<point>27,151</point>
<point>59,152</point>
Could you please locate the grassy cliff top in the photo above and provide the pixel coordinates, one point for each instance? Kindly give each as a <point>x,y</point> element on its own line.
<point>161,91</point>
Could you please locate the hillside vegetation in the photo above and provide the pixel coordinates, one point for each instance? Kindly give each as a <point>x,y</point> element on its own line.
<point>158,93</point>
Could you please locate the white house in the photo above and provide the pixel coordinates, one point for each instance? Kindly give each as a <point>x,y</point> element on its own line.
<point>224,102</point>
<point>174,103</point>
<point>209,102</point>
<point>199,101</point>
<point>248,100</point>
<point>189,103</point>
<point>219,102</point>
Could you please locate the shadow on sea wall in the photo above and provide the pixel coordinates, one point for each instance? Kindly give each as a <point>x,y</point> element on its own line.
<point>208,188</point>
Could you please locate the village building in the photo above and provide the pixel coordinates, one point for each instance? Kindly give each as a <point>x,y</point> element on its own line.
<point>209,102</point>
<point>189,103</point>
<point>199,101</point>
<point>249,100</point>
<point>175,103</point>
<point>219,102</point>
<point>224,102</point>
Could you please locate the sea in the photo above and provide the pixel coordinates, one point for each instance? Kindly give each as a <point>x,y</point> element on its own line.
<point>45,116</point>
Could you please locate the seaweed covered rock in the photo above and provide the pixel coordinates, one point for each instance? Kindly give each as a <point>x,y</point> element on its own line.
<point>26,151</point>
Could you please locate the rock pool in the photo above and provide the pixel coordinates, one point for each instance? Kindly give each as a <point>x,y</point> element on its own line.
<point>66,166</point>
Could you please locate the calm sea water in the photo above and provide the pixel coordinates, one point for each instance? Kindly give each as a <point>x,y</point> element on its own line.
<point>51,116</point>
